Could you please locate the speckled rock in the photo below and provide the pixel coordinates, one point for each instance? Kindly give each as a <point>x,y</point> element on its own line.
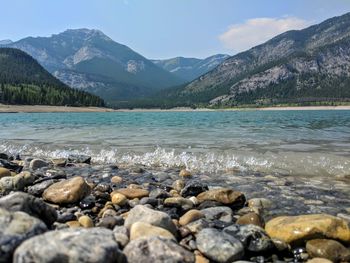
<point>140,229</point>
<point>67,191</point>
<point>219,246</point>
<point>157,250</point>
<point>329,249</point>
<point>15,227</point>
<point>222,195</point>
<point>70,245</point>
<point>29,204</point>
<point>295,228</point>
<point>185,173</point>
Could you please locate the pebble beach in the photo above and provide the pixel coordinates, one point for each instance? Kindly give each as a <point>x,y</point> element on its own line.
<point>72,210</point>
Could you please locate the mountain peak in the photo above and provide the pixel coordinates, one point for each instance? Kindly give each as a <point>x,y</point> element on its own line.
<point>85,33</point>
<point>6,42</point>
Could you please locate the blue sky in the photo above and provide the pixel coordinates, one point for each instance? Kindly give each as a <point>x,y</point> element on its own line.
<point>168,28</point>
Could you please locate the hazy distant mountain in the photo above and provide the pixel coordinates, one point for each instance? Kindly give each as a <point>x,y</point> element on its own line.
<point>90,60</point>
<point>308,64</point>
<point>24,81</point>
<point>190,68</point>
<point>5,42</point>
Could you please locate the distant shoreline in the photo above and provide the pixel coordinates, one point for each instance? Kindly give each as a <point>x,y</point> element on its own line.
<point>51,109</point>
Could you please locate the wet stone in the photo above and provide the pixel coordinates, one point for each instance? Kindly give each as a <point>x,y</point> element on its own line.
<point>194,188</point>
<point>222,213</point>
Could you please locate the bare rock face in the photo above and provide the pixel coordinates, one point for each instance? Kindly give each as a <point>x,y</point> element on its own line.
<point>70,245</point>
<point>15,227</point>
<point>67,191</point>
<point>296,228</point>
<point>157,249</point>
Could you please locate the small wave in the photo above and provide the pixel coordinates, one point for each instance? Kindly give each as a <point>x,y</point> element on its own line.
<point>209,161</point>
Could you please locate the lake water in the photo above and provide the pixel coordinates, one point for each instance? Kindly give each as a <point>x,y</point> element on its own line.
<point>298,159</point>
<point>301,143</point>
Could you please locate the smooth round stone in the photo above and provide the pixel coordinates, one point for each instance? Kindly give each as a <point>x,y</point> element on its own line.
<point>37,164</point>
<point>39,188</point>
<point>156,249</point>
<point>329,249</point>
<point>218,246</point>
<point>185,173</point>
<point>67,191</point>
<point>194,200</point>
<point>116,180</point>
<point>296,228</point>
<point>86,221</point>
<point>174,193</point>
<point>121,235</point>
<point>159,193</point>
<point>190,216</point>
<point>110,222</point>
<point>144,214</point>
<point>250,218</point>
<point>4,172</point>
<point>88,202</point>
<point>17,182</point>
<point>201,259</point>
<point>140,229</point>
<point>132,193</point>
<point>178,202</point>
<point>223,195</point>
<point>15,227</point>
<point>70,245</point>
<point>118,199</point>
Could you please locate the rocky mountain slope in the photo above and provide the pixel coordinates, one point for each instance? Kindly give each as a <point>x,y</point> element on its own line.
<point>190,68</point>
<point>91,61</point>
<point>309,64</point>
<point>24,81</point>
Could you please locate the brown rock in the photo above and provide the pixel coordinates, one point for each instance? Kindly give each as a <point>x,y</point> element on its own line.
<point>319,260</point>
<point>250,218</point>
<point>59,162</point>
<point>185,173</point>
<point>141,229</point>
<point>300,228</point>
<point>67,191</point>
<point>132,193</point>
<point>191,216</point>
<point>178,202</point>
<point>118,199</point>
<point>223,195</point>
<point>85,221</point>
<point>116,180</point>
<point>4,172</point>
<point>329,249</point>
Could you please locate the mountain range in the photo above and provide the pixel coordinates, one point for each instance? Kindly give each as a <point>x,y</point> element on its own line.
<point>312,64</point>
<point>190,68</point>
<point>24,81</point>
<point>91,61</point>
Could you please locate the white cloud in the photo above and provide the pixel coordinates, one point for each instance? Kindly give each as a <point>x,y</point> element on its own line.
<point>240,37</point>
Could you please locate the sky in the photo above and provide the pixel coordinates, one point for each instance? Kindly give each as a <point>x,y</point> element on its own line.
<point>160,29</point>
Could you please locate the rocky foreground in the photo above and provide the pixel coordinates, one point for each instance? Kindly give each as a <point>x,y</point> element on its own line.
<point>55,211</point>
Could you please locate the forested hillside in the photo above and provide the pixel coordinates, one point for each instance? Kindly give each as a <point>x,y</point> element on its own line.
<point>24,81</point>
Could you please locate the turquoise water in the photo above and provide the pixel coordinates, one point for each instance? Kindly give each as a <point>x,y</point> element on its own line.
<point>311,143</point>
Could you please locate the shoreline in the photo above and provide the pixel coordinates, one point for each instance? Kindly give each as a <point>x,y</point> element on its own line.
<point>59,109</point>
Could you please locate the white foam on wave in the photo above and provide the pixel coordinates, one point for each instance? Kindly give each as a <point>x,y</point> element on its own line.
<point>286,163</point>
